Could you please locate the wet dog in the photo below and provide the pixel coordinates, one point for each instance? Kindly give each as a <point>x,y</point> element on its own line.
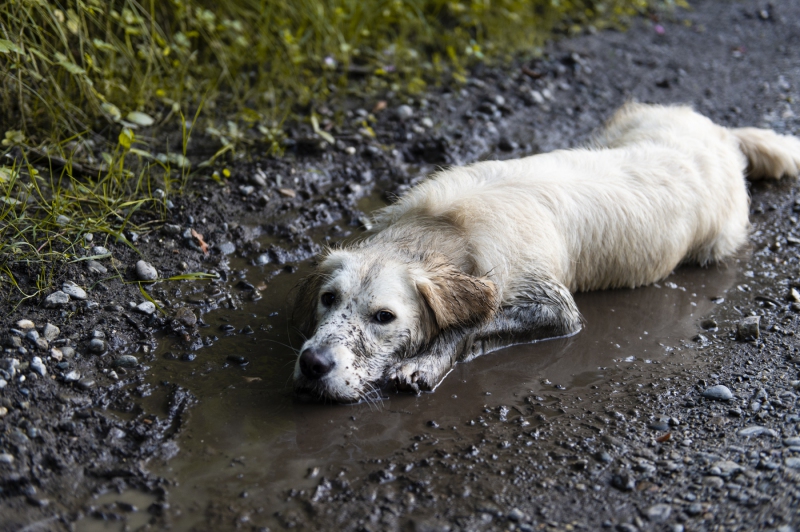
<point>483,256</point>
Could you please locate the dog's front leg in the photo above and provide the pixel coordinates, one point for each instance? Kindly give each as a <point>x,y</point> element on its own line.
<point>424,371</point>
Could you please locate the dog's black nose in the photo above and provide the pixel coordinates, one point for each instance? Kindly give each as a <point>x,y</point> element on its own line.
<point>315,363</point>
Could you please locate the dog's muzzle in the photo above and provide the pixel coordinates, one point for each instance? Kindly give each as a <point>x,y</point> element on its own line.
<point>316,362</point>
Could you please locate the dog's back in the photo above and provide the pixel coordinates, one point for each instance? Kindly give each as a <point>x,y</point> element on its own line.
<point>660,185</point>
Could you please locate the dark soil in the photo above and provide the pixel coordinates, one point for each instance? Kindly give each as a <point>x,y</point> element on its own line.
<point>637,448</point>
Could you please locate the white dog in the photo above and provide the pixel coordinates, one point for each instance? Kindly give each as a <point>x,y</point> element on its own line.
<point>482,256</point>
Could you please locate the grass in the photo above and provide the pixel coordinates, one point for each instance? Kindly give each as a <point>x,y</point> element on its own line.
<point>101,98</point>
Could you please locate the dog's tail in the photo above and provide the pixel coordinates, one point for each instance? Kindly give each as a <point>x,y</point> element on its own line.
<point>769,155</point>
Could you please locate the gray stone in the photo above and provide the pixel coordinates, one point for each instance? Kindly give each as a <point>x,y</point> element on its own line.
<point>516,515</point>
<point>404,112</point>
<point>146,308</point>
<point>426,122</point>
<point>62,220</point>
<point>9,367</point>
<point>792,442</point>
<point>38,366</point>
<point>116,433</point>
<point>793,462</point>
<point>95,267</point>
<point>126,361</point>
<point>757,430</point>
<point>725,468</point>
<point>186,316</point>
<point>658,513</point>
<point>72,376</point>
<point>226,248</point>
<point>97,333</point>
<point>246,190</point>
<point>3,383</point>
<point>51,332</point>
<point>718,393</point>
<point>258,179</point>
<point>56,299</point>
<point>32,335</point>
<point>6,458</point>
<point>748,328</point>
<point>97,346</point>
<point>68,351</point>
<point>73,290</point>
<point>100,250</point>
<point>713,481</point>
<point>145,271</point>
<point>25,325</point>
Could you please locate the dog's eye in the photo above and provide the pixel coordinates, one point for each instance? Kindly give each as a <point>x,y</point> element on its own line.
<point>384,316</point>
<point>328,298</point>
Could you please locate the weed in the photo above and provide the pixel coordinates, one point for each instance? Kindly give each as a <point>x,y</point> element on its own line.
<point>84,83</point>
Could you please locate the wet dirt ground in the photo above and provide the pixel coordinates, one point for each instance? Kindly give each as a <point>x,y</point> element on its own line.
<point>607,429</point>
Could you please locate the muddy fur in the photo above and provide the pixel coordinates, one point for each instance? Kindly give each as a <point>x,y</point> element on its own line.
<point>482,256</point>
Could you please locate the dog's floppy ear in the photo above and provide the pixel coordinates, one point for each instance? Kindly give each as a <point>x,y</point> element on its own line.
<point>454,297</point>
<point>304,303</point>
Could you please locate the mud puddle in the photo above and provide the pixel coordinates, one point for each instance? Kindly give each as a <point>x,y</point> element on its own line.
<point>250,439</point>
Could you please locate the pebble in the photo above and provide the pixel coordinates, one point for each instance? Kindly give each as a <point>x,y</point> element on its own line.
<point>3,411</point>
<point>56,299</point>
<point>97,346</point>
<point>3,383</point>
<point>259,179</point>
<point>426,122</point>
<point>186,316</point>
<point>56,354</point>
<point>126,361</point>
<point>25,324</point>
<point>227,248</point>
<point>757,430</point>
<point>95,267</point>
<point>72,376</point>
<point>537,97</point>
<point>68,351</point>
<point>516,515</point>
<point>404,112</point>
<point>246,190</point>
<point>116,433</point>
<point>708,324</point>
<point>792,442</point>
<point>713,481</point>
<point>146,272</point>
<point>718,393</point>
<point>748,328</point>
<point>32,335</point>
<point>99,250</point>
<point>73,290</point>
<point>148,307</point>
<point>50,332</point>
<point>658,513</point>
<point>793,462</point>
<point>6,458</point>
<point>725,468</point>
<point>86,383</point>
<point>38,366</point>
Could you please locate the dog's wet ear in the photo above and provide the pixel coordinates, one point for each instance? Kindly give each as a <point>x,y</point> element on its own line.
<point>454,297</point>
<point>304,303</point>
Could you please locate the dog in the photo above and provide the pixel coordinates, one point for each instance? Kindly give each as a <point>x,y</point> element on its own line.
<point>483,256</point>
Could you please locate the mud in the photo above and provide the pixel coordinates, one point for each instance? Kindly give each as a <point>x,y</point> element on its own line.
<point>608,429</point>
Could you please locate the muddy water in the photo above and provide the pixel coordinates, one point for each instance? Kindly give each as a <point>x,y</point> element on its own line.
<point>249,437</point>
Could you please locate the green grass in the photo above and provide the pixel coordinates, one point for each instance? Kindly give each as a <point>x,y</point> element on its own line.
<point>100,98</point>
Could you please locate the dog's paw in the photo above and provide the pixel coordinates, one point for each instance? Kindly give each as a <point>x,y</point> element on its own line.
<point>411,377</point>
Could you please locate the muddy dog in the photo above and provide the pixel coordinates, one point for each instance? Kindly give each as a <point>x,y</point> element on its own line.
<point>483,256</point>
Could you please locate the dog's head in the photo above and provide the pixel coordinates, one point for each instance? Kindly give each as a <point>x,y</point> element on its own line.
<point>366,309</point>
